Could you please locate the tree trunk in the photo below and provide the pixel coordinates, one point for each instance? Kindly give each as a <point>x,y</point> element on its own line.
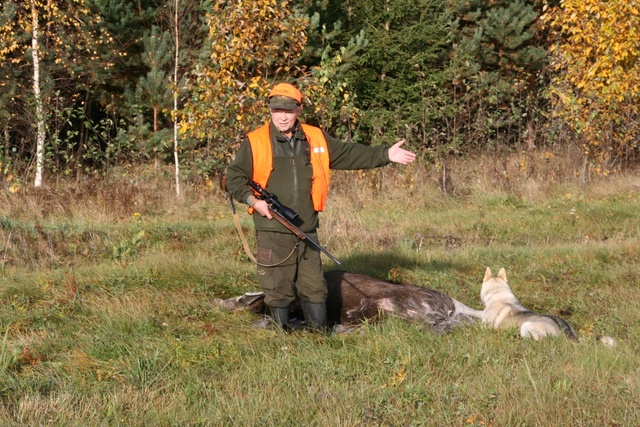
<point>530,135</point>
<point>40,136</point>
<point>176,90</point>
<point>155,118</point>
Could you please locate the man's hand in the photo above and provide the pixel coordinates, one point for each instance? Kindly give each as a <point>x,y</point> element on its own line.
<point>397,154</point>
<point>262,208</point>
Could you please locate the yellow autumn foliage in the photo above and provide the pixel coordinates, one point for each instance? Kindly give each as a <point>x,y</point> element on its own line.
<point>253,43</point>
<point>68,37</point>
<point>69,18</point>
<point>596,87</point>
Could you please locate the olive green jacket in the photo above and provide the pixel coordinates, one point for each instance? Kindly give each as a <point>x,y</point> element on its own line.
<point>290,179</point>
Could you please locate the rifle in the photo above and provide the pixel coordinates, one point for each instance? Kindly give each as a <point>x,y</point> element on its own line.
<point>286,216</point>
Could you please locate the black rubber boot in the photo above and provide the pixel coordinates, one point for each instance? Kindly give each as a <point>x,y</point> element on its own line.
<point>315,314</point>
<point>280,316</point>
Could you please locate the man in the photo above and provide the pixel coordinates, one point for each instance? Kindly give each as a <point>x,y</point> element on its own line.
<point>291,160</point>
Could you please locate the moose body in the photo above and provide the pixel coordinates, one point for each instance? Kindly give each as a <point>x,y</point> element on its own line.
<point>353,298</point>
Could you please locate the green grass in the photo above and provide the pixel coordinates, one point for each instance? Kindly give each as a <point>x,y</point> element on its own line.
<point>106,313</point>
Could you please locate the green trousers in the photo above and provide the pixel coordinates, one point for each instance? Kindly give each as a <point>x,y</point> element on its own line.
<point>300,274</point>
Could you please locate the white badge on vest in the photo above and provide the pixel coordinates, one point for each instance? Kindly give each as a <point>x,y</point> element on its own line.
<point>318,150</point>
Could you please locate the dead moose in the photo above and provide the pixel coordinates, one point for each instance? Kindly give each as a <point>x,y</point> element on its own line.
<point>353,298</point>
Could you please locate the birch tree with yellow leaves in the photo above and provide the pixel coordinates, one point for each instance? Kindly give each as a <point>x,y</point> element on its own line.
<point>596,88</point>
<point>251,43</point>
<point>59,40</point>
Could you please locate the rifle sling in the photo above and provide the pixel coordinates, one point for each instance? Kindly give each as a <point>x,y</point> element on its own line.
<point>245,243</point>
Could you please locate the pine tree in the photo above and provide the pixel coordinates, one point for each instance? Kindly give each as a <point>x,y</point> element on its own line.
<point>497,59</point>
<point>105,111</point>
<point>153,89</point>
<point>128,22</point>
<point>399,76</point>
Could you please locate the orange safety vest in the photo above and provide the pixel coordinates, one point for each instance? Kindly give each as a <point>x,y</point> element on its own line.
<point>260,141</point>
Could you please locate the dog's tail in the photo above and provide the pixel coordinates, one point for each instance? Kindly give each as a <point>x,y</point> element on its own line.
<point>465,310</point>
<point>564,327</point>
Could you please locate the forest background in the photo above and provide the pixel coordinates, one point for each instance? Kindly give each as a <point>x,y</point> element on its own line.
<point>92,85</point>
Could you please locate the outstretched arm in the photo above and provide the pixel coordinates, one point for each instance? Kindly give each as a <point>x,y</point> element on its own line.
<point>397,154</point>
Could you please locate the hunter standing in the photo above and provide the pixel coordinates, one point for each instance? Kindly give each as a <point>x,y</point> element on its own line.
<point>291,160</point>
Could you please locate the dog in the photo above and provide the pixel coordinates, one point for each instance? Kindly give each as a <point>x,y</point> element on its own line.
<point>503,310</point>
<point>355,298</point>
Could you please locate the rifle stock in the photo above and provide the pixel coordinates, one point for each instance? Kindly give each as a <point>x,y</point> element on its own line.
<point>295,230</point>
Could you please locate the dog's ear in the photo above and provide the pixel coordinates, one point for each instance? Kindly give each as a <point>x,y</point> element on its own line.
<point>487,275</point>
<point>502,274</point>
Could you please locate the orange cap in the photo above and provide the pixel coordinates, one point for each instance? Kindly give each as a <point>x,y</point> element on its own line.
<point>288,90</point>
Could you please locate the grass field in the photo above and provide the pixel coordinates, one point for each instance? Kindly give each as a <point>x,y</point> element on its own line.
<point>106,313</point>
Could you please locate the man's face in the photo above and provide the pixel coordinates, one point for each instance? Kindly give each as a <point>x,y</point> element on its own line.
<point>284,120</point>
